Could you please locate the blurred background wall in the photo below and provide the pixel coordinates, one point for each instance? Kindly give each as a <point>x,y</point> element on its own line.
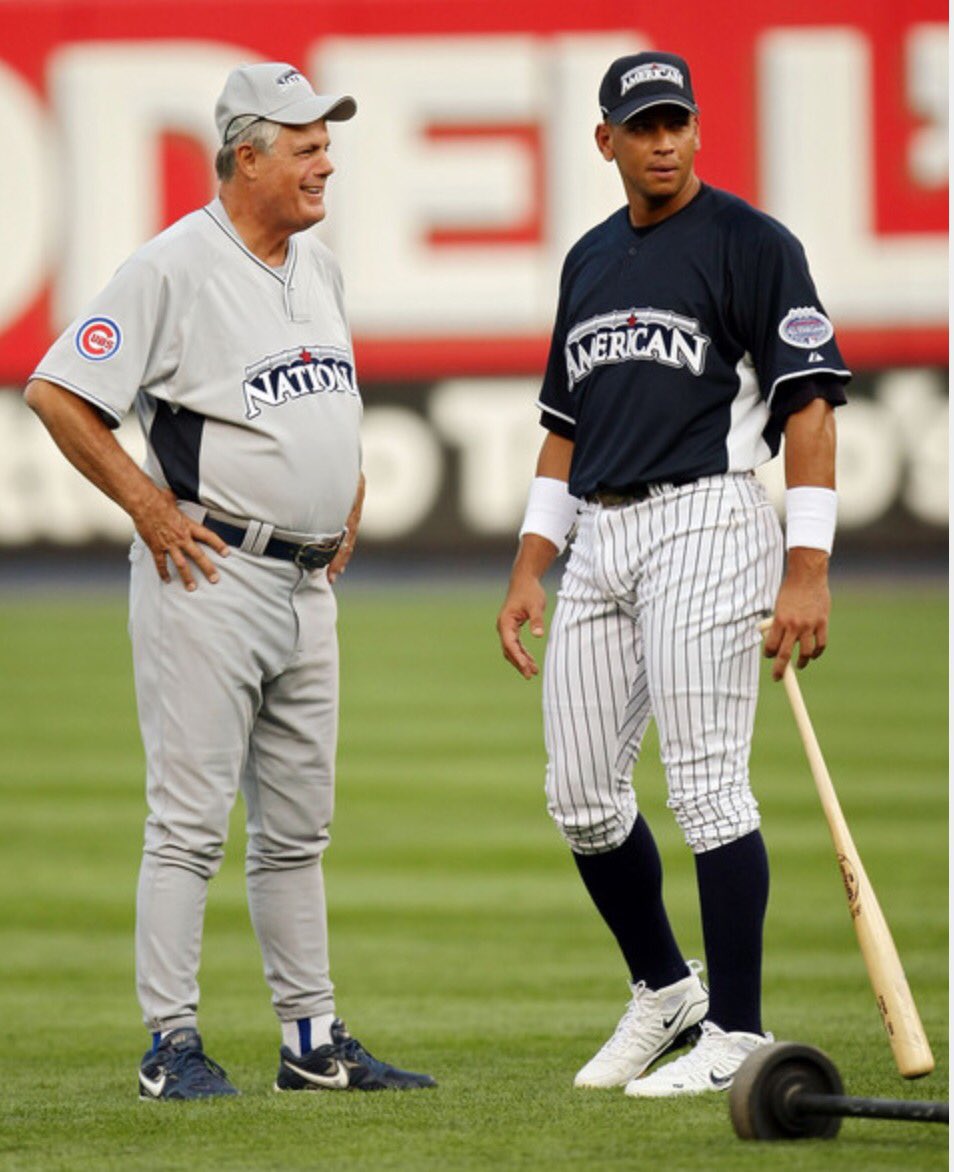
<point>467,174</point>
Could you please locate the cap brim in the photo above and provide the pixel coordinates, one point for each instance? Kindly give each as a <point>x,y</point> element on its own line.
<point>623,113</point>
<point>321,106</point>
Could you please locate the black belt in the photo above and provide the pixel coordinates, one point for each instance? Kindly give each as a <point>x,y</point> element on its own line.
<point>612,497</point>
<point>308,555</point>
<point>632,494</point>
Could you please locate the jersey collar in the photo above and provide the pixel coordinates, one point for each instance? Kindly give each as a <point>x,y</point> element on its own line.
<point>216,210</point>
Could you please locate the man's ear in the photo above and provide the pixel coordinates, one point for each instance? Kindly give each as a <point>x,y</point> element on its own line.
<point>604,142</point>
<point>246,159</point>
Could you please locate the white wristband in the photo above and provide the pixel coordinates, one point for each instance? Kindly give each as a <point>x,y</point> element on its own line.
<point>810,515</point>
<point>551,511</point>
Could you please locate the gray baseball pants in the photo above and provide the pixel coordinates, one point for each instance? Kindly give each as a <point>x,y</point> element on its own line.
<point>236,685</point>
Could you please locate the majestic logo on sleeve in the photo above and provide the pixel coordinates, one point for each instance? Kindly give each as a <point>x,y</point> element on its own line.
<point>307,370</point>
<point>635,335</point>
<point>98,338</point>
<point>805,327</point>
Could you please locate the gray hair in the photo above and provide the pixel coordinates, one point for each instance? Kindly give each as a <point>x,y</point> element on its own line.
<point>258,132</point>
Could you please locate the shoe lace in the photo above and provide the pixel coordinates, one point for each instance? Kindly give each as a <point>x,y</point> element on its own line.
<point>198,1068</point>
<point>352,1051</point>
<point>633,1020</point>
<point>711,1039</point>
<point>638,1016</point>
<point>710,1053</point>
<point>696,1063</point>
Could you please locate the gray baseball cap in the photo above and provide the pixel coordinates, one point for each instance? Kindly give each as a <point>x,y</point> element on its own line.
<point>276,92</point>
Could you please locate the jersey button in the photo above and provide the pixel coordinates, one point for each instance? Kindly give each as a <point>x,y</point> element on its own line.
<point>633,251</point>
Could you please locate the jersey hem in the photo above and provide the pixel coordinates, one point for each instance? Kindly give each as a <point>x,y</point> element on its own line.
<point>551,411</point>
<point>784,378</point>
<point>59,381</point>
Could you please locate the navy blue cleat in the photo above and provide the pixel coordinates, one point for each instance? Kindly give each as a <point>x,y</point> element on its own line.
<point>179,1069</point>
<point>343,1065</point>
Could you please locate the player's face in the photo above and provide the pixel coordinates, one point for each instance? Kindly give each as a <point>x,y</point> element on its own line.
<point>293,175</point>
<point>654,152</point>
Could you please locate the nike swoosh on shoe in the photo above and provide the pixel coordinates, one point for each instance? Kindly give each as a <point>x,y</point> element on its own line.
<point>680,1015</point>
<point>337,1080</point>
<point>720,1081</point>
<point>155,1087</point>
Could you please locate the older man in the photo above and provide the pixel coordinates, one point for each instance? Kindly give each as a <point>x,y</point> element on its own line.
<point>227,332</point>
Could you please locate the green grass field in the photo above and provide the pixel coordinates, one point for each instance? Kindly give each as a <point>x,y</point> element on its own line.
<point>462,941</point>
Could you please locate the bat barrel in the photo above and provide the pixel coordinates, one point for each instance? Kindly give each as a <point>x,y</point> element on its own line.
<point>899,1014</point>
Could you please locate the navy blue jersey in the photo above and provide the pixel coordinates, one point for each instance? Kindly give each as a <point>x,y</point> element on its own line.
<point>678,350</point>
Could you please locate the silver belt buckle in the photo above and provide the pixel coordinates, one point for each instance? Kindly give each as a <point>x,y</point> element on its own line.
<point>312,555</point>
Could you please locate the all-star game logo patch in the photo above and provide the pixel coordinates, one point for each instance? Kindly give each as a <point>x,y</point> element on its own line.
<point>805,327</point>
<point>306,370</point>
<point>98,338</point>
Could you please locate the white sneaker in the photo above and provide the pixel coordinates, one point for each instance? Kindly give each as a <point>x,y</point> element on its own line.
<point>655,1022</point>
<point>709,1066</point>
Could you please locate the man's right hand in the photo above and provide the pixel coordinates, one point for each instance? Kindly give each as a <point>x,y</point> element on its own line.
<point>526,599</point>
<point>92,448</point>
<point>525,603</point>
<point>169,533</point>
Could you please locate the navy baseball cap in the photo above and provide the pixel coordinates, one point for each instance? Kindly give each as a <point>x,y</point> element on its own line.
<point>642,80</point>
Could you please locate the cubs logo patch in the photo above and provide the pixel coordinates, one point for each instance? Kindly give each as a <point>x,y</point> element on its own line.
<point>98,338</point>
<point>805,327</point>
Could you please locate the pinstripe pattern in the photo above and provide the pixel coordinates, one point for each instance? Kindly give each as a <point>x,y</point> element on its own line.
<point>657,617</point>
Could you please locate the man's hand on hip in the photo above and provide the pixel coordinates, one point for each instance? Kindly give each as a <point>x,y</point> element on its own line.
<point>170,533</point>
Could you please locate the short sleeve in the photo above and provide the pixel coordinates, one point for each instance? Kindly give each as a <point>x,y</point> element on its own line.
<point>780,317</point>
<point>119,344</point>
<point>795,394</point>
<point>556,403</point>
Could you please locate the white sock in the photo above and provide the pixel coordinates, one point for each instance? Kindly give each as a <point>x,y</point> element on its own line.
<point>306,1033</point>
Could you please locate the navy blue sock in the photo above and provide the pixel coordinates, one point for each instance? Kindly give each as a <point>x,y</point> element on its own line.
<point>733,894</point>
<point>626,886</point>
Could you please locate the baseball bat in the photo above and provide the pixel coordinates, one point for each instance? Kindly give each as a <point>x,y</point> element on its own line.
<point>899,1014</point>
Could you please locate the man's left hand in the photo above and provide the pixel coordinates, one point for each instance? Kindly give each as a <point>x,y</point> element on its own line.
<point>346,549</point>
<point>801,611</point>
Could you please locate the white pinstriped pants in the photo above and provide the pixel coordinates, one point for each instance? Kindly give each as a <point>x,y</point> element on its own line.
<point>658,616</point>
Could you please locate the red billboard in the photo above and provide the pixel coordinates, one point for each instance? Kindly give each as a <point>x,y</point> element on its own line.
<point>470,168</point>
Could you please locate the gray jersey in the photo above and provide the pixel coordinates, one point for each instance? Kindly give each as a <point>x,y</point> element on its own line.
<point>242,375</point>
